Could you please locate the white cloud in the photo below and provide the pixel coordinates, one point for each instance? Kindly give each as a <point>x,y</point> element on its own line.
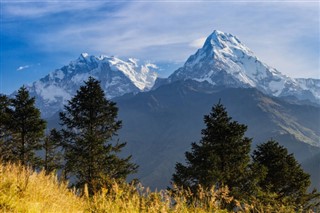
<point>198,43</point>
<point>23,67</point>
<point>34,9</point>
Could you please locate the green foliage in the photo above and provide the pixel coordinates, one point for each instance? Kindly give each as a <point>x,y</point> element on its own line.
<point>5,134</point>
<point>90,122</point>
<point>284,176</point>
<point>274,181</point>
<point>24,128</point>
<point>52,151</point>
<point>221,158</point>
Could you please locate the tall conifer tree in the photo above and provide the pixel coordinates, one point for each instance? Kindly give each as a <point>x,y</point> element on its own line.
<point>6,147</point>
<point>90,122</point>
<point>220,158</point>
<point>52,151</point>
<point>284,176</point>
<point>27,128</point>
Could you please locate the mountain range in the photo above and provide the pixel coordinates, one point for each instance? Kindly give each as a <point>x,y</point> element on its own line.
<point>117,78</point>
<point>162,116</point>
<point>222,61</point>
<point>225,61</point>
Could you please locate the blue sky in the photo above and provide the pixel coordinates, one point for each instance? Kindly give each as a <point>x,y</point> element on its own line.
<point>40,36</point>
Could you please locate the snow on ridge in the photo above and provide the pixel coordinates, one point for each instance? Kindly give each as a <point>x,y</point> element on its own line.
<point>134,61</point>
<point>227,42</point>
<point>81,77</point>
<point>117,77</point>
<point>143,76</point>
<point>56,74</point>
<point>223,52</point>
<point>51,92</point>
<point>85,55</point>
<point>238,60</point>
<point>313,85</point>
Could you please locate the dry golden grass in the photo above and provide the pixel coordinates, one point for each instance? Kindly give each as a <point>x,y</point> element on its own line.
<point>23,190</point>
<point>128,198</point>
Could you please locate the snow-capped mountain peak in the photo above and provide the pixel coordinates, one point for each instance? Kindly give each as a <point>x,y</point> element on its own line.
<point>117,77</point>
<point>226,42</point>
<point>224,60</point>
<point>141,75</point>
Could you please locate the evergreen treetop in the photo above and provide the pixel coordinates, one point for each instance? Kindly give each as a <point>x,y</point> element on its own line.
<point>89,124</point>
<point>26,128</point>
<point>5,135</point>
<point>220,158</point>
<point>284,176</point>
<point>52,151</point>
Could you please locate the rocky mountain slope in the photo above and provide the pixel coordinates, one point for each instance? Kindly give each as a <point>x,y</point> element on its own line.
<point>117,77</point>
<point>225,61</point>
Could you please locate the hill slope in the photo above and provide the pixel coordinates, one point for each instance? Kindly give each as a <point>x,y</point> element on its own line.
<point>160,125</point>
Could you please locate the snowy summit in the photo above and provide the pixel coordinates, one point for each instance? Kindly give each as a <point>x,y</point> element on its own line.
<point>117,77</point>
<point>225,61</point>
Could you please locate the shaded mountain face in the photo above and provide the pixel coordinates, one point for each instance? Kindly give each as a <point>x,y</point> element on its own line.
<point>117,77</point>
<point>225,61</point>
<point>160,125</point>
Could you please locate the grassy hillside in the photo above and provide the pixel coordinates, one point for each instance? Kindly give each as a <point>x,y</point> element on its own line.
<point>23,190</point>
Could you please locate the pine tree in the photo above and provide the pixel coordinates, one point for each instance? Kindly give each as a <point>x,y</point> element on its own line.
<point>221,157</point>
<point>90,122</point>
<point>26,128</point>
<point>5,135</point>
<point>52,152</point>
<point>285,177</point>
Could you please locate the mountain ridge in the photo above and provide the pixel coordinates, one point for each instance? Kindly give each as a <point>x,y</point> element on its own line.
<point>117,78</point>
<point>224,60</point>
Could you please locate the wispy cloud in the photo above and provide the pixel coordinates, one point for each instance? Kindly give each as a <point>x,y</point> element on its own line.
<point>28,66</point>
<point>23,67</point>
<point>198,43</point>
<point>38,9</point>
